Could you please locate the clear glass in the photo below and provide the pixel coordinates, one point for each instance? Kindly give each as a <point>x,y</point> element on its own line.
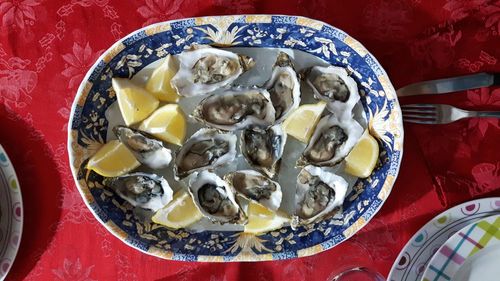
<point>358,274</point>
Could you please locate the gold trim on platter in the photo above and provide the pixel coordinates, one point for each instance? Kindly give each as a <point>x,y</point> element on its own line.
<point>387,86</point>
<point>310,251</point>
<point>86,192</point>
<point>258,19</point>
<point>115,50</point>
<point>158,29</point>
<point>310,23</point>
<point>357,225</point>
<point>161,253</point>
<point>85,92</point>
<point>248,256</point>
<point>116,230</point>
<point>356,46</point>
<point>221,23</point>
<point>211,258</point>
<point>386,188</point>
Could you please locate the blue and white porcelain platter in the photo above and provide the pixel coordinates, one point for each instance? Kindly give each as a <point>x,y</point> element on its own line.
<point>89,126</point>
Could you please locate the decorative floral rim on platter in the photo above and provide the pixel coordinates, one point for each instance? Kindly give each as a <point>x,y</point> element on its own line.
<point>11,214</point>
<point>413,259</point>
<point>466,243</point>
<point>88,126</point>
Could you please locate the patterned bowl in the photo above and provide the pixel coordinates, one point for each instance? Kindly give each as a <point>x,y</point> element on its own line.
<point>88,127</point>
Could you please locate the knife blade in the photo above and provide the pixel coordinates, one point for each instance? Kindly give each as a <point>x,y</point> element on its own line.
<point>448,85</point>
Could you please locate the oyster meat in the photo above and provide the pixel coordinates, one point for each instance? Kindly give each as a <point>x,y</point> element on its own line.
<point>205,149</point>
<point>236,108</point>
<point>333,85</point>
<point>206,69</point>
<point>145,148</point>
<point>283,87</point>
<point>318,193</point>
<point>214,198</point>
<point>331,141</point>
<point>257,187</point>
<point>148,191</point>
<point>263,148</point>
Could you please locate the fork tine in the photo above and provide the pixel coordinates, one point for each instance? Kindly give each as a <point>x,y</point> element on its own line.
<point>419,121</point>
<point>419,106</point>
<point>420,111</point>
<point>419,116</point>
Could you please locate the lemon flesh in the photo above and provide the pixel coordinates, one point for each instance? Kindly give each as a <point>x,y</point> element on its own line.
<point>166,123</point>
<point>112,160</point>
<point>261,219</point>
<point>180,212</point>
<point>302,122</point>
<point>363,157</point>
<point>135,102</point>
<point>159,82</point>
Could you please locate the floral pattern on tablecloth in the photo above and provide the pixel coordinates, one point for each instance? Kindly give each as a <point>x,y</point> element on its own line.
<point>34,103</point>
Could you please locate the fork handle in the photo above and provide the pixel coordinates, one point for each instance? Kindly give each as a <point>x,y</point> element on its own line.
<point>495,114</point>
<point>496,79</point>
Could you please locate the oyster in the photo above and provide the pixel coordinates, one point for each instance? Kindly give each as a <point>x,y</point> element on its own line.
<point>331,141</point>
<point>236,108</point>
<point>214,198</point>
<point>318,193</point>
<point>206,69</point>
<point>283,87</point>
<point>333,85</point>
<point>205,149</point>
<point>148,191</point>
<point>263,148</point>
<point>257,187</point>
<point>145,148</point>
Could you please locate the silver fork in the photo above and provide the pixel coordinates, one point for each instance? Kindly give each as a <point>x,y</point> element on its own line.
<point>440,113</point>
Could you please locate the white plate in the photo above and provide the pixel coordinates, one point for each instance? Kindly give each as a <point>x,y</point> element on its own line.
<point>470,254</point>
<point>481,267</point>
<point>11,214</point>
<point>413,259</point>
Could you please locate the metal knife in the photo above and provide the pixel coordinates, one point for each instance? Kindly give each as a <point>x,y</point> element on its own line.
<point>448,85</point>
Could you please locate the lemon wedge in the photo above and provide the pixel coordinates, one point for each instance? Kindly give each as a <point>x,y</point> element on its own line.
<point>301,122</point>
<point>363,157</point>
<point>112,160</point>
<point>135,102</point>
<point>261,219</point>
<point>178,213</point>
<point>166,123</point>
<point>159,82</point>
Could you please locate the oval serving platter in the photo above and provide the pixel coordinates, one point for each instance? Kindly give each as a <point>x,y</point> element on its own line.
<point>89,125</point>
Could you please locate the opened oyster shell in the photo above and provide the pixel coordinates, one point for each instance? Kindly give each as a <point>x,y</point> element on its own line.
<point>203,70</point>
<point>148,191</point>
<point>283,87</point>
<point>333,85</point>
<point>263,148</point>
<point>331,141</point>
<point>257,187</point>
<point>145,148</point>
<point>318,193</point>
<point>236,108</point>
<point>205,149</point>
<point>214,198</point>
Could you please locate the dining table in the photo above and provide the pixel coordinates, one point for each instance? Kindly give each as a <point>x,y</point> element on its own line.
<point>47,47</point>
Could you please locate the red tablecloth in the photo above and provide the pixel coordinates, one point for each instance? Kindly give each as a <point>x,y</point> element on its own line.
<point>46,47</point>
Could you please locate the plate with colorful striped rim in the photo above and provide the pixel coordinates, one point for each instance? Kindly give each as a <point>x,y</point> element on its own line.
<point>413,259</point>
<point>11,214</point>
<point>474,240</point>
